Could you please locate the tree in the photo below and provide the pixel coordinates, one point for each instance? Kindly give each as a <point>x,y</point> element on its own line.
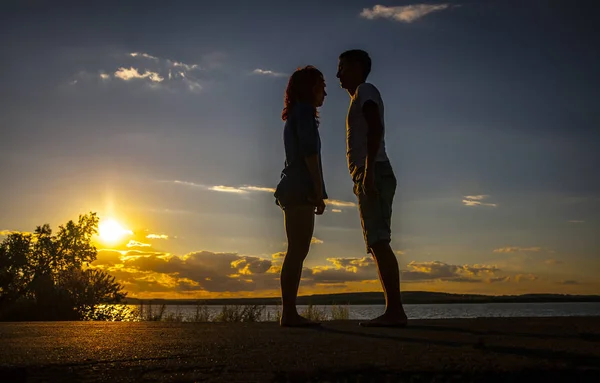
<point>49,277</point>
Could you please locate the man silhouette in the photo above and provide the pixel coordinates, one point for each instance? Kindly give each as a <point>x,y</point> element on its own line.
<point>373,177</point>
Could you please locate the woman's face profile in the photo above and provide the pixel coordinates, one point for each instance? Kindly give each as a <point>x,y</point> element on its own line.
<point>320,93</point>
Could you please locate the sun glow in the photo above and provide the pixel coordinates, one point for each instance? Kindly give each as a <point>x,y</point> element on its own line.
<point>110,231</point>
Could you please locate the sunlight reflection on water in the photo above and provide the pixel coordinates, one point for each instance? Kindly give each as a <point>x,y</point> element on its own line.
<point>423,311</point>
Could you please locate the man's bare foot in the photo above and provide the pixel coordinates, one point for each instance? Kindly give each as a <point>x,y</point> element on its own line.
<point>297,321</point>
<point>387,320</point>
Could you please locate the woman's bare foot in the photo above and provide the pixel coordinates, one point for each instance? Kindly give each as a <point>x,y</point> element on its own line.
<point>297,321</point>
<point>388,319</point>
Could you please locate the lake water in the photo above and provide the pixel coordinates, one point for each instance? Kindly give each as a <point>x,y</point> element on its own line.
<point>427,311</point>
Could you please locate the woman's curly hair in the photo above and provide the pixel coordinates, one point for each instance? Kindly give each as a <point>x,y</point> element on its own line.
<point>300,88</point>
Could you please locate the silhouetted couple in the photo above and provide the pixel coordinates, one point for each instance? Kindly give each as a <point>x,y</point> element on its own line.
<point>301,192</point>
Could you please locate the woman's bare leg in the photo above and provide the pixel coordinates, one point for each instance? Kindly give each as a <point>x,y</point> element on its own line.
<point>299,227</point>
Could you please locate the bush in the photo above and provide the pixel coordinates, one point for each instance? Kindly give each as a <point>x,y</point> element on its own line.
<point>147,313</point>
<point>314,314</point>
<point>113,313</point>
<point>237,313</point>
<point>177,316</point>
<point>202,313</point>
<point>276,316</point>
<point>48,277</point>
<point>340,312</point>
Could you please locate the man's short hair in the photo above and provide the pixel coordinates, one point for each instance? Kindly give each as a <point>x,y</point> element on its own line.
<point>361,57</point>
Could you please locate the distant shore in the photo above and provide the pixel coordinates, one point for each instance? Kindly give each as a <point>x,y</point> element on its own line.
<point>376,298</point>
<point>447,350</point>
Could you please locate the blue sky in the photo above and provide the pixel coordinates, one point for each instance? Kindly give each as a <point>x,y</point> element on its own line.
<point>165,118</point>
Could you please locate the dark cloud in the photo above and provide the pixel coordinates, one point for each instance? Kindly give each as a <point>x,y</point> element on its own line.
<point>352,262</point>
<point>526,277</point>
<point>498,279</point>
<point>108,258</point>
<point>425,271</point>
<point>230,272</point>
<point>344,270</point>
<point>569,282</point>
<point>201,271</point>
<point>251,265</point>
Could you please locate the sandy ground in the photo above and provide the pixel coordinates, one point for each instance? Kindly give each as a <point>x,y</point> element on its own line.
<point>457,350</point>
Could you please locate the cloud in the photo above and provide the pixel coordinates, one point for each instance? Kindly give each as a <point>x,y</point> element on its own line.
<point>108,257</point>
<point>268,73</point>
<point>336,210</point>
<point>184,65</point>
<point>251,265</point>
<point>226,189</point>
<point>498,280</point>
<point>133,243</point>
<point>189,184</point>
<point>159,73</point>
<point>568,283</point>
<point>515,249</point>
<point>192,84</point>
<point>254,188</point>
<point>436,270</point>
<point>477,197</point>
<point>350,264</point>
<point>475,200</point>
<point>242,189</point>
<point>169,62</point>
<point>526,277</point>
<point>553,262</point>
<point>405,14</point>
<point>157,236</point>
<point>198,271</point>
<point>258,188</point>
<point>336,202</point>
<point>126,74</point>
<point>364,269</point>
<point>316,241</point>
<point>145,55</point>
<point>209,273</point>
<point>343,270</point>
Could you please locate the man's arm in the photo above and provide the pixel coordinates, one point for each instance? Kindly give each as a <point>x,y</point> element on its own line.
<point>374,134</point>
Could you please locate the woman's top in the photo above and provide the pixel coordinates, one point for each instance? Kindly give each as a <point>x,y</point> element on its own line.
<point>301,139</point>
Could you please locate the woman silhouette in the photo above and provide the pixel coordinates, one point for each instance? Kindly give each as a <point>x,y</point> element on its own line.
<point>301,190</point>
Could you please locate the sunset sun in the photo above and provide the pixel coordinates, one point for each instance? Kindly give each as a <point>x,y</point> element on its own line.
<point>111,231</point>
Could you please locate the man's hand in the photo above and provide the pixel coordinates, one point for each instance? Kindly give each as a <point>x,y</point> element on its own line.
<point>320,207</point>
<point>369,187</point>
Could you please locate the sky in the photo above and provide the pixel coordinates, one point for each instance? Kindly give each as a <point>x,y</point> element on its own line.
<point>164,118</point>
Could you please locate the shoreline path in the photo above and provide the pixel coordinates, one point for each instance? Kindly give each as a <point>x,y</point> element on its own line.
<point>456,350</point>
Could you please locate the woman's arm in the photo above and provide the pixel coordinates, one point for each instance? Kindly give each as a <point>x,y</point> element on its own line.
<point>309,146</point>
<point>312,162</point>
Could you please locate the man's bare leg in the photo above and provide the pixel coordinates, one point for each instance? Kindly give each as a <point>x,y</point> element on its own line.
<point>389,275</point>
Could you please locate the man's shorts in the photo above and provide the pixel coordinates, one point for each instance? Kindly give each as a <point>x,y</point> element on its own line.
<point>376,211</point>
